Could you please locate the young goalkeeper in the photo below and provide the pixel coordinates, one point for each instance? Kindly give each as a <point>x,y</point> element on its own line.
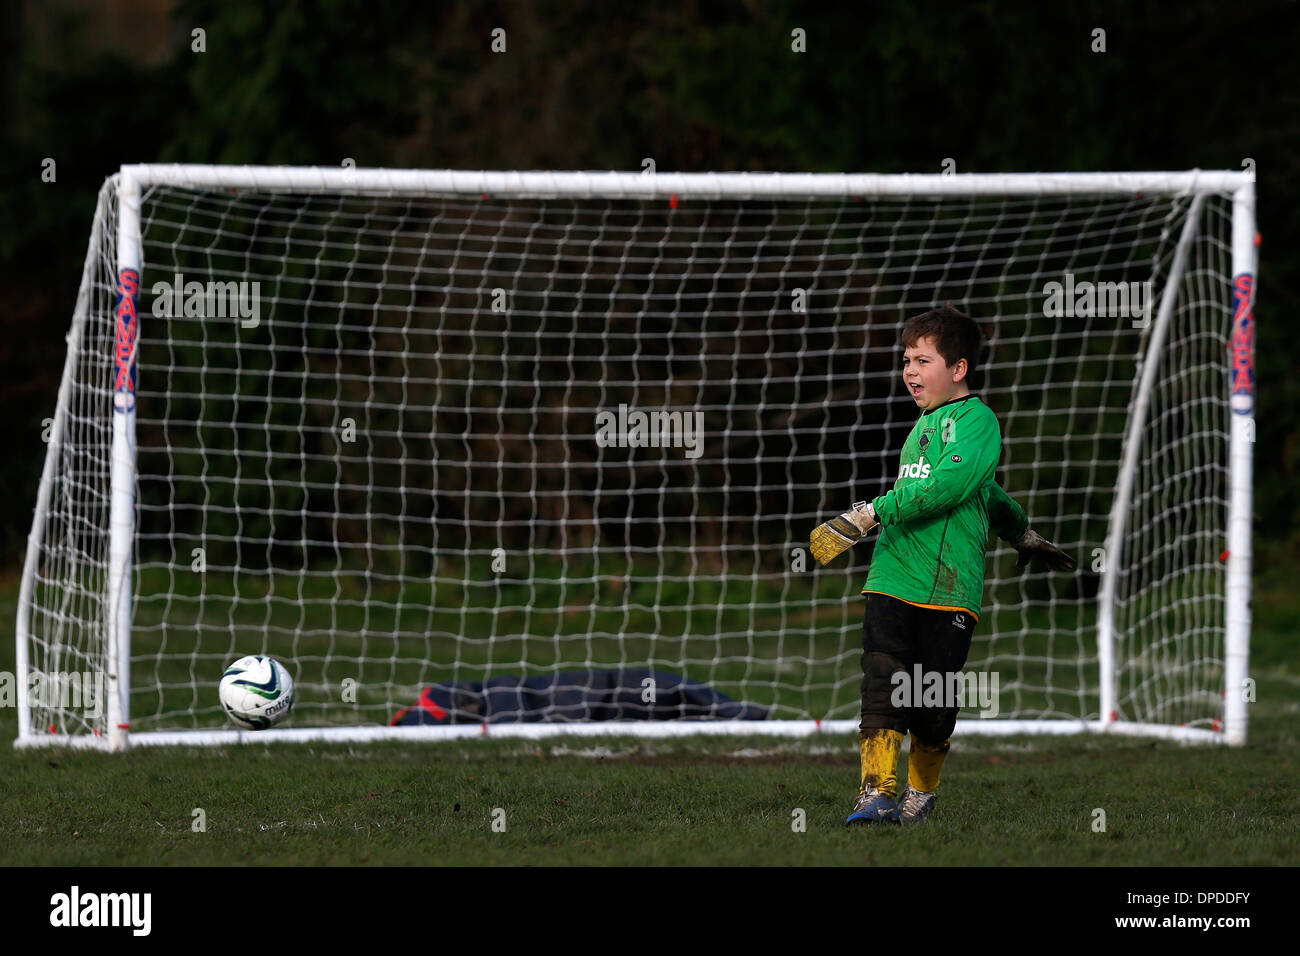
<point>923,592</point>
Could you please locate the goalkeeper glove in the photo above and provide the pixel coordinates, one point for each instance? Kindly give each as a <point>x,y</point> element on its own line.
<point>1031,544</point>
<point>832,538</point>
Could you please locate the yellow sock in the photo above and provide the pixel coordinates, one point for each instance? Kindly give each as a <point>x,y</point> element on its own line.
<point>924,761</point>
<point>880,750</point>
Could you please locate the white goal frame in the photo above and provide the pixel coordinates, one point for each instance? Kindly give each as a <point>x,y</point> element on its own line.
<point>133,180</point>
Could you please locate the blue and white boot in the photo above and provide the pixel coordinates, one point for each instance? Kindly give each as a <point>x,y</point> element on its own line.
<point>873,807</point>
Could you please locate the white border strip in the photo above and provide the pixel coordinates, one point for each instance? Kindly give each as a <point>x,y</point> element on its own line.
<point>629,185</point>
<point>626,729</point>
<point>1241,483</point>
<point>122,479</point>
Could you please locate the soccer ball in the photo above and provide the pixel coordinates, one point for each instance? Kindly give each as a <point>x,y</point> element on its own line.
<point>257,692</point>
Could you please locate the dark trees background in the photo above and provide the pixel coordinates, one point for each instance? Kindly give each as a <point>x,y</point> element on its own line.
<point>896,86</point>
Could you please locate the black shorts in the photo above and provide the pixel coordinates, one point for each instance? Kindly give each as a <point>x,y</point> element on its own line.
<point>896,636</point>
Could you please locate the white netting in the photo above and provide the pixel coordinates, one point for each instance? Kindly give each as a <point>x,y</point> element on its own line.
<point>394,479</point>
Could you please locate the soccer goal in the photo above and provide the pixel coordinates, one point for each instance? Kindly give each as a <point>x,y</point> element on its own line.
<point>409,428</point>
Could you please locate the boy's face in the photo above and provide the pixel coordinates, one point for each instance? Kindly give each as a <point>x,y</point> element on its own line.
<point>928,378</point>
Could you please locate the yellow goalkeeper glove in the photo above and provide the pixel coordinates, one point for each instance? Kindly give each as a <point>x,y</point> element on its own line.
<point>832,538</point>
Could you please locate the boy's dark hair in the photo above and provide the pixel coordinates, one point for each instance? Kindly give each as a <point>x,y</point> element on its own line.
<point>956,335</point>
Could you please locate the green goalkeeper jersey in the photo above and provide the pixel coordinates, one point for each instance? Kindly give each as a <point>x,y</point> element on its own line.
<point>934,524</point>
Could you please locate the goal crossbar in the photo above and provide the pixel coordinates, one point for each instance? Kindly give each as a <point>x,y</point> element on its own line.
<point>630,185</point>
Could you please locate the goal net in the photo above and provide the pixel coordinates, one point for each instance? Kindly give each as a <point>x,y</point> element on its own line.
<point>400,429</point>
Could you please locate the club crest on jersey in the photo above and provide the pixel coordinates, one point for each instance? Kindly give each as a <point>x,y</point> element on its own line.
<point>926,435</point>
<point>917,469</point>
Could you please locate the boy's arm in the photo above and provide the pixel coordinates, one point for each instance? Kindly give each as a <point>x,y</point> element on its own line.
<point>1006,518</point>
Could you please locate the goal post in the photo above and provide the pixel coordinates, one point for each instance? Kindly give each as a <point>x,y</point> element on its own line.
<point>404,428</point>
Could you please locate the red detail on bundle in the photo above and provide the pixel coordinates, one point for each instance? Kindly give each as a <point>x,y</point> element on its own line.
<point>431,705</point>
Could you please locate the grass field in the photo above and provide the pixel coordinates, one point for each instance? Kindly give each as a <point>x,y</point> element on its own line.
<point>692,801</point>
<point>613,802</point>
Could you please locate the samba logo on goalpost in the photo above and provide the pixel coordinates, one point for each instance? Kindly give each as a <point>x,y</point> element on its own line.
<point>1243,344</point>
<point>128,333</point>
